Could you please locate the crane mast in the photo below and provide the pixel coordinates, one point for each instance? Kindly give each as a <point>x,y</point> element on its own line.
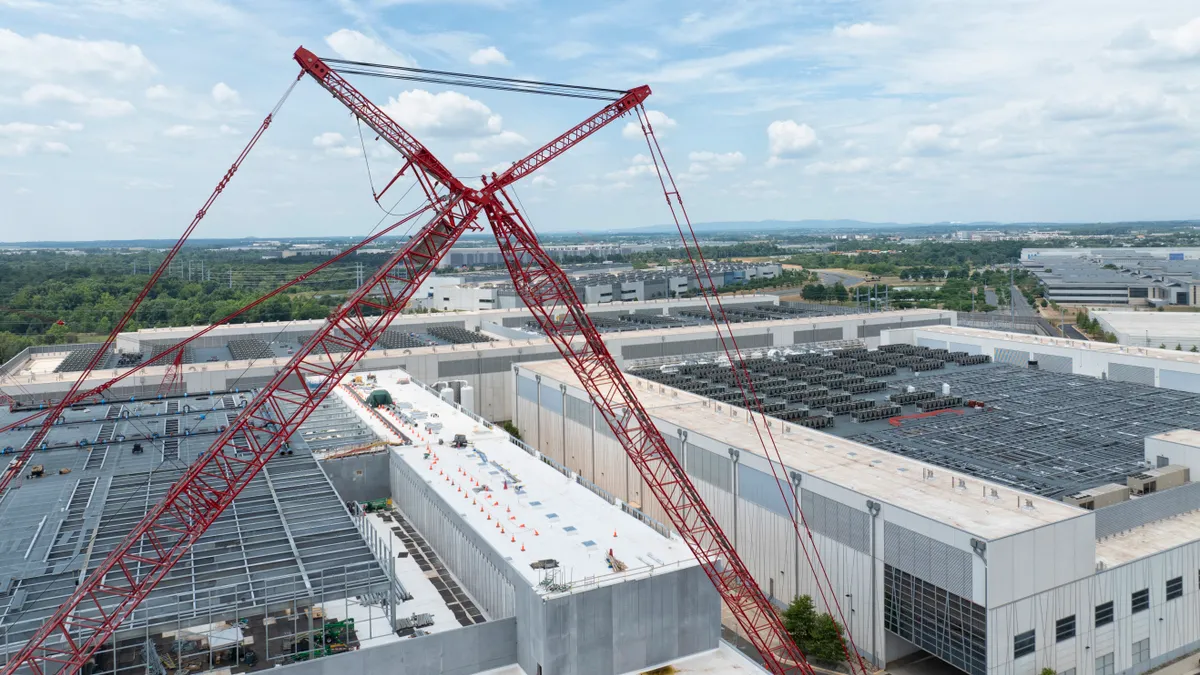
<point>119,583</point>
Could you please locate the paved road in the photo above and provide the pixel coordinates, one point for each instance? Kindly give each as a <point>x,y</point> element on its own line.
<point>1022,305</point>
<point>1074,333</point>
<point>831,278</point>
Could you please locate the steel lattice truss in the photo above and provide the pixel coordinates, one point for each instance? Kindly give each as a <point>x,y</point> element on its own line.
<point>115,588</point>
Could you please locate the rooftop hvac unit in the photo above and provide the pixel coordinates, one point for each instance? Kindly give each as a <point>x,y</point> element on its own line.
<point>1156,480</point>
<point>1099,496</point>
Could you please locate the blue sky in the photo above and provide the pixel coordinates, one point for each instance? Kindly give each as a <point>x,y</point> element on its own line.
<point>118,116</point>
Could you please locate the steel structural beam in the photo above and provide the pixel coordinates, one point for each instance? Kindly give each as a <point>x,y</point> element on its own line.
<point>171,527</point>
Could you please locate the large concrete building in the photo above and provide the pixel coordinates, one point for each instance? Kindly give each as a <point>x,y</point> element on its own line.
<point>955,535</point>
<point>1117,276</point>
<point>998,502</point>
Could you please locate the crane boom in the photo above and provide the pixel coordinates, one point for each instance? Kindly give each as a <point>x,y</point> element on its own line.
<point>98,606</point>
<point>169,529</point>
<point>549,295</point>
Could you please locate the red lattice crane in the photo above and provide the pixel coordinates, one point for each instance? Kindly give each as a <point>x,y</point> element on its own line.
<point>119,583</point>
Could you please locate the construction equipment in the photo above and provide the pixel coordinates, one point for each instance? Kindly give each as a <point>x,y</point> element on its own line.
<point>92,614</point>
<point>37,471</point>
<point>460,441</point>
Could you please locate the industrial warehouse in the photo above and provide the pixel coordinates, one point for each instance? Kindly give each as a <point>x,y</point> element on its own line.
<point>934,464</point>
<point>601,482</point>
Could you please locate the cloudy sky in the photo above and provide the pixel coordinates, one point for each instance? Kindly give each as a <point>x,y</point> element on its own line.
<point>117,117</point>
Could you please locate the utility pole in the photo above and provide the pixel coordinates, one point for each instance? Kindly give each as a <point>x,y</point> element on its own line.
<point>189,270</point>
<point>231,278</point>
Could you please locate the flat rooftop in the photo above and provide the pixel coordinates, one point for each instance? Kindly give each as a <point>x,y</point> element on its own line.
<point>867,470</point>
<point>1148,539</point>
<point>1034,340</point>
<point>514,500</point>
<point>1169,328</point>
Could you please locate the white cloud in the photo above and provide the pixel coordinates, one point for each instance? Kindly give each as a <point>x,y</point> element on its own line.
<point>927,139</point>
<point>22,191</point>
<point>223,94</point>
<point>1142,46</point>
<point>180,131</point>
<point>160,92</point>
<point>708,68</point>
<point>503,140</point>
<point>705,162</point>
<point>119,147</point>
<point>354,46</point>
<point>43,57</point>
<point>226,130</point>
<point>658,121</point>
<point>23,138</point>
<point>446,113</point>
<point>97,106</point>
<point>467,158</point>
<point>543,181</point>
<point>855,165</point>
<point>329,139</point>
<point>787,139</point>
<point>488,56</point>
<point>639,165</point>
<point>865,30</point>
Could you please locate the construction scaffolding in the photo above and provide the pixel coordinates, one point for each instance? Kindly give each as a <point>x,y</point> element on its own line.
<point>1051,434</point>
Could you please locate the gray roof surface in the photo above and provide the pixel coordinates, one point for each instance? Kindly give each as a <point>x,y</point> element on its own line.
<point>286,533</point>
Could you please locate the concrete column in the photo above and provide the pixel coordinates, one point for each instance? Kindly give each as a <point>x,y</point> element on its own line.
<point>563,389</point>
<point>734,455</point>
<point>538,383</point>
<point>873,507</point>
<point>796,477</point>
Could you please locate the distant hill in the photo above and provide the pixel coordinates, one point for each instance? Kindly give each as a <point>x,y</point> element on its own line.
<point>784,225</point>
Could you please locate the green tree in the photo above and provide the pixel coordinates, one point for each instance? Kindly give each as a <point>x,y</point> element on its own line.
<point>840,293</point>
<point>800,621</point>
<point>819,636</point>
<point>826,645</point>
<point>1194,349</point>
<point>510,429</point>
<point>1178,347</point>
<point>1048,671</point>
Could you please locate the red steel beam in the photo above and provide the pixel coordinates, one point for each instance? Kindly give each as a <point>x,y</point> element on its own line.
<point>19,462</point>
<point>551,298</point>
<point>99,605</point>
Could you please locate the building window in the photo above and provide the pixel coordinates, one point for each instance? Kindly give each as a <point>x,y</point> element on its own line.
<point>1141,651</point>
<point>1175,588</point>
<point>946,625</point>
<point>1023,644</point>
<point>1141,600</point>
<point>1105,665</point>
<point>1064,629</point>
<point>1104,614</point>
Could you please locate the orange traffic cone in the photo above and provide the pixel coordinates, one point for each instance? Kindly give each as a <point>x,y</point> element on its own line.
<point>535,533</point>
<point>514,539</point>
<point>522,548</point>
<point>614,534</point>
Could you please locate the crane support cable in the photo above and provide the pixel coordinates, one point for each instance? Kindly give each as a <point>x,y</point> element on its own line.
<point>745,384</point>
<point>36,438</point>
<point>450,78</point>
